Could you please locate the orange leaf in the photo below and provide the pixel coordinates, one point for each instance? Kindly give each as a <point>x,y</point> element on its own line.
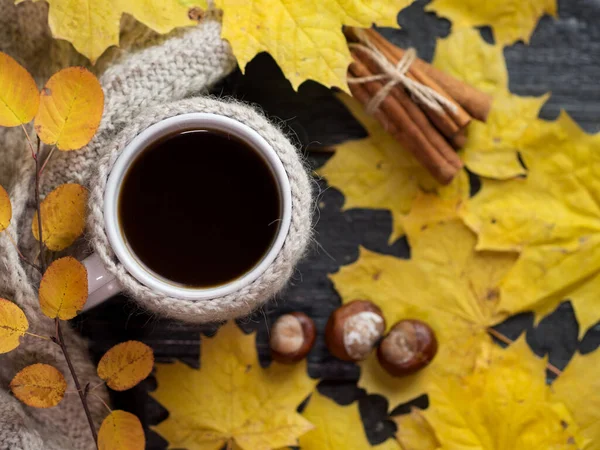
<point>63,216</point>
<point>71,107</point>
<point>64,288</point>
<point>121,431</point>
<point>13,325</point>
<point>39,385</point>
<point>5,209</point>
<point>19,97</point>
<point>126,364</point>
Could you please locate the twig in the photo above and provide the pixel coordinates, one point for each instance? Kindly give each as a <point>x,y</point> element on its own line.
<point>82,395</point>
<point>37,206</point>
<point>552,368</point>
<point>21,255</point>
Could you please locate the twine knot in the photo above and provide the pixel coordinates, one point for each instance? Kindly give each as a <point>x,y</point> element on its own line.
<point>397,74</point>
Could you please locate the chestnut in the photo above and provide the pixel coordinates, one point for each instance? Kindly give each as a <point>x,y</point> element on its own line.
<point>353,330</point>
<point>292,337</point>
<point>408,347</point>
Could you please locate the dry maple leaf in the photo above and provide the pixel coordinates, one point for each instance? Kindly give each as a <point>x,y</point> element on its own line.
<point>492,148</point>
<point>509,407</point>
<point>511,20</point>
<point>93,26</point>
<point>337,427</point>
<point>377,172</point>
<point>577,387</point>
<point>304,37</point>
<point>232,399</point>
<point>552,217</point>
<point>446,284</point>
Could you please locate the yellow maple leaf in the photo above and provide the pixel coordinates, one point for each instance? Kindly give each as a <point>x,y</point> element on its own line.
<point>415,432</point>
<point>377,172</point>
<point>93,26</point>
<point>492,147</point>
<point>63,216</point>
<point>511,20</point>
<point>552,217</point>
<point>337,427</point>
<point>466,56</point>
<point>446,284</point>
<point>121,430</point>
<point>232,398</point>
<point>577,387</point>
<point>126,364</point>
<point>503,405</point>
<point>304,37</point>
<point>63,289</point>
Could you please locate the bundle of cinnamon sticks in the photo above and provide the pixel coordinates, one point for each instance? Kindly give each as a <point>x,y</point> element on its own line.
<point>431,134</point>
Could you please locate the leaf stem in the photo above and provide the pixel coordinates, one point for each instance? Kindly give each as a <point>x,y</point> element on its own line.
<point>103,402</point>
<point>21,255</point>
<point>551,367</point>
<point>33,153</point>
<point>46,338</point>
<point>46,161</point>
<point>61,342</point>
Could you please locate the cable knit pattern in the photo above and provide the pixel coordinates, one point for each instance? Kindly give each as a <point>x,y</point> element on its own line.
<point>275,276</point>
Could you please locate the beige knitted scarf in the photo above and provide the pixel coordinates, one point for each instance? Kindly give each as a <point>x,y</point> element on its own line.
<point>158,77</point>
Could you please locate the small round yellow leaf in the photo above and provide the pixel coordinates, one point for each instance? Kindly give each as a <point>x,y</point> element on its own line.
<point>71,107</point>
<point>39,385</point>
<point>19,97</point>
<point>63,289</point>
<point>121,431</point>
<point>63,216</point>
<point>126,364</point>
<point>13,325</point>
<point>5,209</point>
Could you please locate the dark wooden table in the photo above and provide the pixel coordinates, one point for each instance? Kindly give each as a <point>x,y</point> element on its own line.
<point>563,57</point>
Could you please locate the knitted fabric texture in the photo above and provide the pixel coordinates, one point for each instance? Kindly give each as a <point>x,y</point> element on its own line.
<point>140,89</point>
<point>275,276</point>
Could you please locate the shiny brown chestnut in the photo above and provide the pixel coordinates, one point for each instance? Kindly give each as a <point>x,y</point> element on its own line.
<point>407,348</point>
<point>353,330</point>
<point>292,337</point>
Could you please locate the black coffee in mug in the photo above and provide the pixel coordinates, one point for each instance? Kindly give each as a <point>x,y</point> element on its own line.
<point>199,208</point>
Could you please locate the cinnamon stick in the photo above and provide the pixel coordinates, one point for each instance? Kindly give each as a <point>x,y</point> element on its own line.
<point>394,118</point>
<point>395,54</point>
<point>416,114</point>
<point>475,102</point>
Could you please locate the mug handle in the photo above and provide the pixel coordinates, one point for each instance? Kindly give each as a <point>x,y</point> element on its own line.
<point>101,284</point>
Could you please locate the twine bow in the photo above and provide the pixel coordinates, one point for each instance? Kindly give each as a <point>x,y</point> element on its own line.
<point>396,74</point>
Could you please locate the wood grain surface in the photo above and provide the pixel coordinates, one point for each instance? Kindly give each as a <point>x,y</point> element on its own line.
<point>563,57</point>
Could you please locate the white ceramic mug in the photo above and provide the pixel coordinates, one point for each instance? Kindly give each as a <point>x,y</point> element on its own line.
<point>103,285</point>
